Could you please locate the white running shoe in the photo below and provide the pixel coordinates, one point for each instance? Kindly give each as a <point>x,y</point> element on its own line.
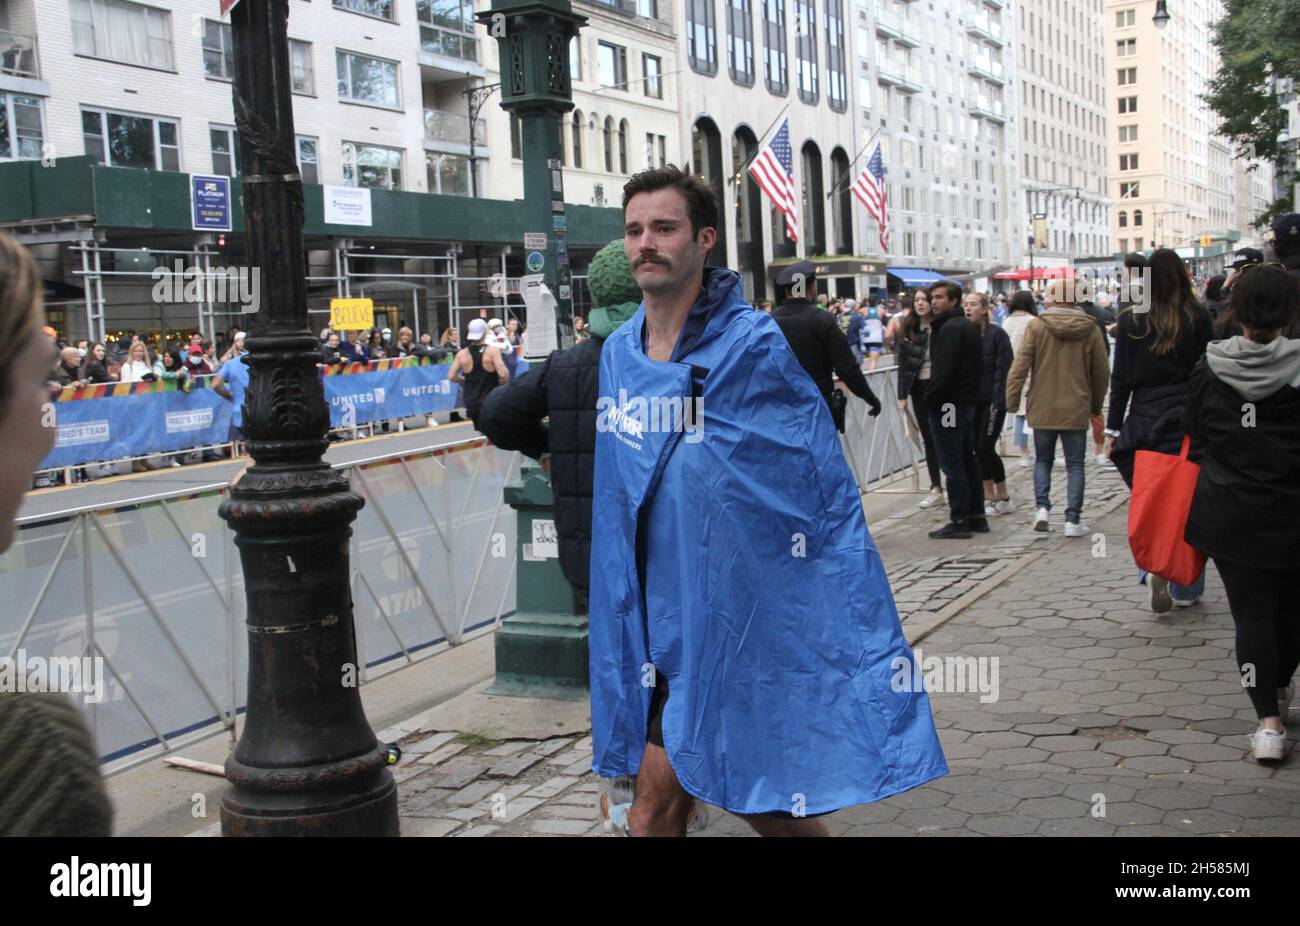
<point>1268,745</point>
<point>1183,602</point>
<point>1076,530</point>
<point>934,497</point>
<point>613,800</point>
<point>1158,597</point>
<point>1005,506</point>
<point>1042,522</point>
<point>1103,461</point>
<point>1026,459</point>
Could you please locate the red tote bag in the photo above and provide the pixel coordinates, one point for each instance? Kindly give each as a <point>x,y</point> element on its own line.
<point>1163,486</point>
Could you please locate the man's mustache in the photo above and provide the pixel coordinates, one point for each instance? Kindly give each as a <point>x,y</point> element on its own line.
<point>651,259</point>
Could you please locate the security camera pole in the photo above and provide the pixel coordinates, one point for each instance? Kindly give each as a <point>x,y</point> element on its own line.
<point>307,762</point>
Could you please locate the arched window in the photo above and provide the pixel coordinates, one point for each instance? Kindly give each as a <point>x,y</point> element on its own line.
<point>1123,219</point>
<point>1137,217</point>
<point>578,128</point>
<point>609,144</point>
<point>841,202</point>
<point>706,157</point>
<point>622,147</point>
<point>814,201</point>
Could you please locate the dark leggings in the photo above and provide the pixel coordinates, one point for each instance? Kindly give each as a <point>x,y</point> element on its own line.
<point>922,411</point>
<point>988,427</point>
<point>1268,634</point>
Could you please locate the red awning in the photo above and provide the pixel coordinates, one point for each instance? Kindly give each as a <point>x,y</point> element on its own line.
<point>1040,273</point>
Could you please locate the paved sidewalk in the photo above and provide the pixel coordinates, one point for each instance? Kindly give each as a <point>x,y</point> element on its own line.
<point>1109,720</point>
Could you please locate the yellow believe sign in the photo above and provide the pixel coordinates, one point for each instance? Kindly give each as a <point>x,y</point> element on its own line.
<point>352,314</point>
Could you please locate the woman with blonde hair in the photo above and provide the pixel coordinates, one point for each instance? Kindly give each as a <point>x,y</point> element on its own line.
<point>137,365</point>
<point>50,783</point>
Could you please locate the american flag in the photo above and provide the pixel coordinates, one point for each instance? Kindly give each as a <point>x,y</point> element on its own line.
<point>870,191</point>
<point>773,172</point>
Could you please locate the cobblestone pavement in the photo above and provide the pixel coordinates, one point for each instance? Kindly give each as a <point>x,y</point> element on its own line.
<point>1109,720</point>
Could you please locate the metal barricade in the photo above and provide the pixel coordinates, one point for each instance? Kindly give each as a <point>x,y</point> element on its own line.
<point>154,589</point>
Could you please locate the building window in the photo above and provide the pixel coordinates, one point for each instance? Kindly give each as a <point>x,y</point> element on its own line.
<point>774,51</point>
<point>649,9</point>
<point>21,132</point>
<point>909,244</point>
<point>123,31</point>
<point>225,150</point>
<point>1128,162</point>
<point>1128,76</point>
<point>372,81</point>
<point>575,59</point>
<point>805,46</point>
<point>447,28</point>
<point>1124,19</point>
<point>652,69</point>
<point>1123,219</point>
<point>372,166</point>
<point>1137,218</point>
<point>740,41</point>
<point>125,140</point>
<point>516,138</point>
<point>609,144</point>
<point>701,37</point>
<point>578,129</point>
<point>308,161</point>
<point>300,66</point>
<point>836,85</point>
<point>663,151</point>
<point>1126,48</point>
<point>611,65</point>
<point>448,174</point>
<point>1137,244</point>
<point>1128,133</point>
<point>622,147</point>
<point>218,50</point>
<point>380,9</point>
<point>1128,105</point>
<point>1128,190</point>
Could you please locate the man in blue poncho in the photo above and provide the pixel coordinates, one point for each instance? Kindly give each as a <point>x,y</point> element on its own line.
<point>745,648</point>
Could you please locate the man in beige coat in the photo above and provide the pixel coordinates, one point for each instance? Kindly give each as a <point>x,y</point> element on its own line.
<point>1063,351</point>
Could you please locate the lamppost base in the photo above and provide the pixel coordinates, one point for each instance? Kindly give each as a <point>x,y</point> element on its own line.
<point>355,797</point>
<point>542,655</point>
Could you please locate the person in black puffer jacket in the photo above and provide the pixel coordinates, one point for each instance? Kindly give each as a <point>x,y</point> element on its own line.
<point>913,345</point>
<point>566,388</point>
<point>1156,347</point>
<point>1243,402</point>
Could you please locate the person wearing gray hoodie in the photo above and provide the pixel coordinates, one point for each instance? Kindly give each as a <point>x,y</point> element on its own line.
<point>1243,403</point>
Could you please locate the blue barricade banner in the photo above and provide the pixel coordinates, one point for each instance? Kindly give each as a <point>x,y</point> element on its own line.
<point>395,393</point>
<point>110,428</point>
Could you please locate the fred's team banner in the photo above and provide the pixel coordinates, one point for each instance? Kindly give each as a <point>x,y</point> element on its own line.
<point>113,421</point>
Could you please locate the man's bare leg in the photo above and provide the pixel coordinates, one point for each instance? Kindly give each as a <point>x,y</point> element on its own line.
<point>774,825</point>
<point>661,806</point>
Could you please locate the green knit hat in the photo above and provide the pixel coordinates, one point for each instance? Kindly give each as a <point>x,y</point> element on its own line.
<point>609,278</point>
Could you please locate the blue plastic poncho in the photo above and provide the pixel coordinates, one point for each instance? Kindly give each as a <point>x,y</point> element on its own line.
<point>731,554</point>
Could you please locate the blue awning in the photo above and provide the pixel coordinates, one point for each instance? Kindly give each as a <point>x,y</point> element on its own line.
<point>915,276</point>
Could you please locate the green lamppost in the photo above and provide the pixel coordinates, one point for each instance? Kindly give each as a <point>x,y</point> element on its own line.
<point>533,38</point>
<point>541,650</point>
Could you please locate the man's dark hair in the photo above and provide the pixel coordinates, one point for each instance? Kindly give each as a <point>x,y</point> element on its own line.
<point>701,201</point>
<point>1266,298</point>
<point>1134,261</point>
<point>949,287</point>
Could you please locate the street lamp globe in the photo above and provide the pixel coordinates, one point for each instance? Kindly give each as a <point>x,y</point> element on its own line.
<point>1161,19</point>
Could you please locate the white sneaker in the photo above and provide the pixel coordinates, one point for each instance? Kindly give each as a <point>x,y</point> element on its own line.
<point>1005,506</point>
<point>1268,745</point>
<point>1103,461</point>
<point>1042,522</point>
<point>1158,594</point>
<point>934,497</point>
<point>1076,530</point>
<point>1026,459</point>
<point>1183,602</point>
<point>1059,461</point>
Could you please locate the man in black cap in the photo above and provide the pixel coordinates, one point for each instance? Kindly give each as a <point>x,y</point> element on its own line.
<point>816,339</point>
<point>1286,241</point>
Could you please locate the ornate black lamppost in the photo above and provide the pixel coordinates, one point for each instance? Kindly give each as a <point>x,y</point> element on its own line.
<point>307,762</point>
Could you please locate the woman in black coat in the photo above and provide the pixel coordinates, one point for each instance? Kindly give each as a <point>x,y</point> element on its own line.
<point>1158,341</point>
<point>914,378</point>
<point>991,411</point>
<point>1243,403</point>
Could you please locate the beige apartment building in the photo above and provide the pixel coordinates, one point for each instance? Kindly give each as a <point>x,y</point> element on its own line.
<point>1170,181</point>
